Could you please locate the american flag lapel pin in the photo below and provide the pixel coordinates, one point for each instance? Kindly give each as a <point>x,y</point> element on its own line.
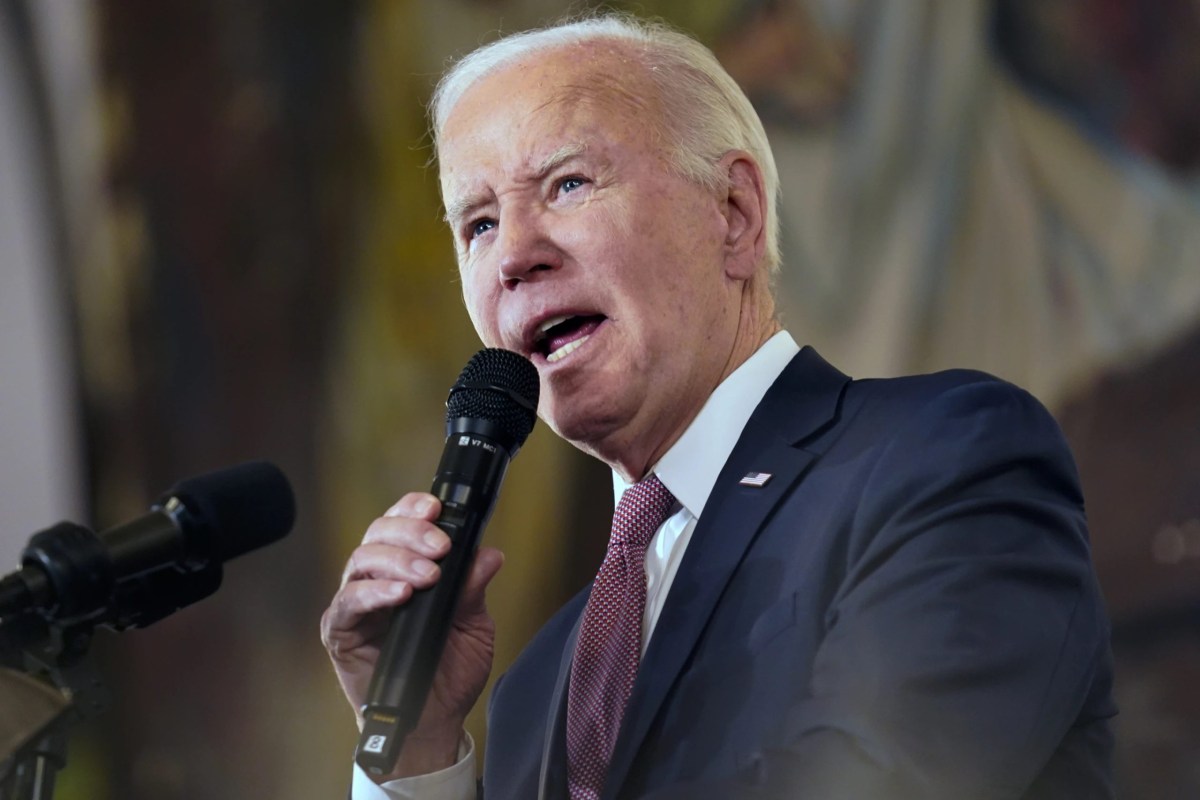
<point>755,479</point>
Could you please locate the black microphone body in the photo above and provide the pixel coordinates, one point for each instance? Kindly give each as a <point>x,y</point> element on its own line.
<point>486,424</point>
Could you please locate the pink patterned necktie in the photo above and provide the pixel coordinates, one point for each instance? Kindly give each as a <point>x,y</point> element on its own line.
<point>610,638</point>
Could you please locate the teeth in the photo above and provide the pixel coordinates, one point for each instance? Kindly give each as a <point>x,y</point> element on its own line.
<point>550,323</point>
<point>566,350</point>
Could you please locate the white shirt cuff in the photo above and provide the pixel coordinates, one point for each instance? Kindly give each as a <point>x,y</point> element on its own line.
<point>456,782</point>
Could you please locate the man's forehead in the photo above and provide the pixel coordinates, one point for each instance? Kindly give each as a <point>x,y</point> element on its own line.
<point>555,85</point>
<point>526,118</point>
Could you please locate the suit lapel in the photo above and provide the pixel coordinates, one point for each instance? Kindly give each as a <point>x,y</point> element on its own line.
<point>803,401</point>
<point>552,781</point>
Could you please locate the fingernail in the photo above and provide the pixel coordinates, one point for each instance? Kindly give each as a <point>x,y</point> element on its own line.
<point>434,539</point>
<point>425,568</point>
<point>423,505</point>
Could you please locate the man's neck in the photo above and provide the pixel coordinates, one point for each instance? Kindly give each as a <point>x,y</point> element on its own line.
<point>632,460</point>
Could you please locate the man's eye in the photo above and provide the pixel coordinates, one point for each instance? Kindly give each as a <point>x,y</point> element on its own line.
<point>480,227</point>
<point>571,183</point>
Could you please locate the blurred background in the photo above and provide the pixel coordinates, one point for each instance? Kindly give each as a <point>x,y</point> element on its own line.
<point>220,239</point>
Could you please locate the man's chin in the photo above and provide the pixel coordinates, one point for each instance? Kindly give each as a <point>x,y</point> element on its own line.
<point>585,425</point>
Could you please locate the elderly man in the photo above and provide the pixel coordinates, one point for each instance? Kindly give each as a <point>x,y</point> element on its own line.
<point>816,587</point>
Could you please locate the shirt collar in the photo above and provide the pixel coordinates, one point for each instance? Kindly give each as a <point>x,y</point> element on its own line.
<point>690,468</point>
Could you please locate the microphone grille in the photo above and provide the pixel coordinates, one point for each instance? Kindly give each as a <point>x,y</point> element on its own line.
<point>499,386</point>
<point>240,508</point>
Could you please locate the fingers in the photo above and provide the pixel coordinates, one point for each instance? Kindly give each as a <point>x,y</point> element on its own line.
<point>390,563</point>
<point>401,545</point>
<point>396,558</point>
<point>344,619</point>
<point>419,535</point>
<point>418,505</point>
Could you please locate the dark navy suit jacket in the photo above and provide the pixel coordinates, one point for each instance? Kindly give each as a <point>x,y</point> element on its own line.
<point>907,609</point>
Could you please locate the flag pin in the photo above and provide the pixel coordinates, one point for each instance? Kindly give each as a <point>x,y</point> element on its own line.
<point>755,479</point>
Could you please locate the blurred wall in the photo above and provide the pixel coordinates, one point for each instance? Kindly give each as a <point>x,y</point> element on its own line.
<point>235,204</point>
<point>40,434</point>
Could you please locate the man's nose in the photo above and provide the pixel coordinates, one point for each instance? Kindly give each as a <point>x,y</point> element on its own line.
<point>526,250</point>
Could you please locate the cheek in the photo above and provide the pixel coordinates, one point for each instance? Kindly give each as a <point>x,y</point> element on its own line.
<point>617,219</point>
<point>480,308</point>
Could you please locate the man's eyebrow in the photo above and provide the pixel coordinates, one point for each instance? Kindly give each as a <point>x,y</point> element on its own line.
<point>558,158</point>
<point>459,208</point>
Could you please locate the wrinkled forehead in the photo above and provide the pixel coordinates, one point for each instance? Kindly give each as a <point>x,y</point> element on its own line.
<point>612,77</point>
<point>606,81</point>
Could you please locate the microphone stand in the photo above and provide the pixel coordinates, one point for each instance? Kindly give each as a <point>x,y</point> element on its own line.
<point>42,656</point>
<point>45,676</point>
<point>33,775</point>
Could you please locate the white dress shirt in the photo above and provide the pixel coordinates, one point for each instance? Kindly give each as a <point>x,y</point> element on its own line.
<point>689,470</point>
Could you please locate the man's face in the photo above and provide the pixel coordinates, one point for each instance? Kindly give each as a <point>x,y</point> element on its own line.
<point>580,249</point>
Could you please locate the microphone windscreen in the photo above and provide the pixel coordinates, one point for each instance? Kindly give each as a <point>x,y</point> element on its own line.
<point>499,386</point>
<point>240,508</point>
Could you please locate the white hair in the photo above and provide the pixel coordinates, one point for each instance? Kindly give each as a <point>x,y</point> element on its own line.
<point>705,114</point>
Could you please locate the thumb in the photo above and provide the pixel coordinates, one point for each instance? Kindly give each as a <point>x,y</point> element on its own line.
<point>488,561</point>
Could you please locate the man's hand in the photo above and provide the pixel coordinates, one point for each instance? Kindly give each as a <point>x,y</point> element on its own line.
<point>396,557</point>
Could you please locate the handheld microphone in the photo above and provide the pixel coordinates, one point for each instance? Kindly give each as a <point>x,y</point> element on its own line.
<point>137,573</point>
<point>489,414</point>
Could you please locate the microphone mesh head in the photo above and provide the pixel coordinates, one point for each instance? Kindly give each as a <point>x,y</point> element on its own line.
<point>238,509</point>
<point>499,386</point>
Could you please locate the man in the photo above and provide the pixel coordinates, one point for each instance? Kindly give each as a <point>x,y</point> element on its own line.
<point>861,589</point>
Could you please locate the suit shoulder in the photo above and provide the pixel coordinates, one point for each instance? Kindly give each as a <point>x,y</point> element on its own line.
<point>921,388</point>
<point>922,413</point>
<point>961,389</point>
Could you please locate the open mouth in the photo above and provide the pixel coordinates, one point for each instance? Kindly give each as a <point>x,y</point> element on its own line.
<point>558,337</point>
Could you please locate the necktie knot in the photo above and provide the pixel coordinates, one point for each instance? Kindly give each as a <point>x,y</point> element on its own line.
<point>641,510</point>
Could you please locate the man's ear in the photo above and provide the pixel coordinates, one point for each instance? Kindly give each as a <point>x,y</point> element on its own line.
<point>745,209</point>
